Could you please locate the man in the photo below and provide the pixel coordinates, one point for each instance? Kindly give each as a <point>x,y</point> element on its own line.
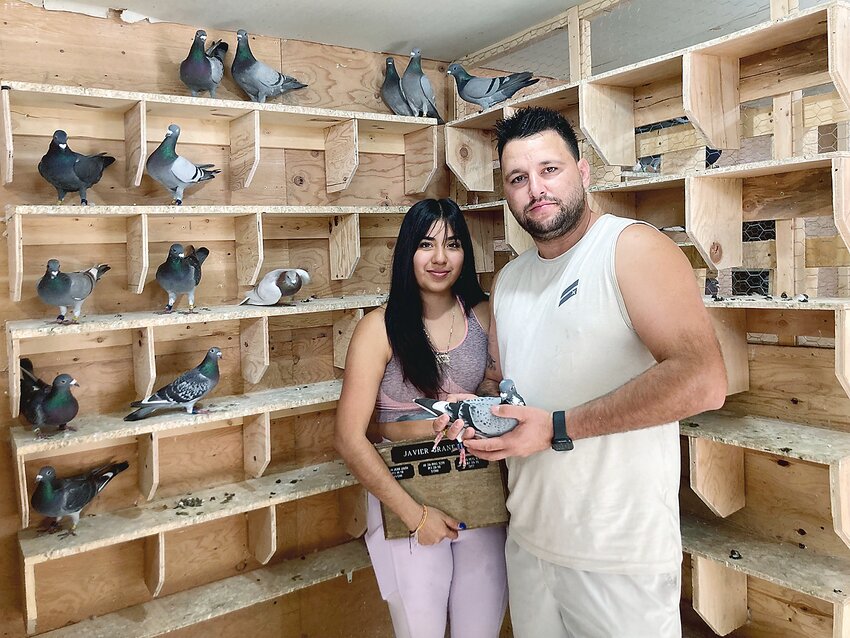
<point>606,336</point>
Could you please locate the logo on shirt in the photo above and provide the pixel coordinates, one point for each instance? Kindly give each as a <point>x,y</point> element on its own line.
<point>569,291</point>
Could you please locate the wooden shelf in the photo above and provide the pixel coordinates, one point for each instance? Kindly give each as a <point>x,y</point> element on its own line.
<point>343,238</point>
<point>29,337</point>
<point>720,582</point>
<point>481,230</point>
<point>138,118</point>
<point>717,442</point>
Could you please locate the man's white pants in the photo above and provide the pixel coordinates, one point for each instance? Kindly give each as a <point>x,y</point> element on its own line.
<point>552,601</point>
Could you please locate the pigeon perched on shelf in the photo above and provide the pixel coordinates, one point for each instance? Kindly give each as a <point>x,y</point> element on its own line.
<point>256,78</point>
<point>417,89</point>
<point>180,273</point>
<point>391,91</point>
<point>202,70</point>
<point>283,282</point>
<point>69,172</point>
<point>711,156</point>
<point>68,289</point>
<point>57,498</point>
<point>173,171</point>
<point>187,389</point>
<point>487,92</point>
<point>48,409</point>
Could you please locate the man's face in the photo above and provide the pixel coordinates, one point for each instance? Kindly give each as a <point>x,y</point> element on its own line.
<point>544,185</point>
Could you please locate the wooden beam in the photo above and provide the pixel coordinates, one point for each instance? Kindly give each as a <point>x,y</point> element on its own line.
<point>420,160</point>
<point>515,236</point>
<point>7,145</point>
<point>730,326</point>
<point>344,245</point>
<point>714,219</point>
<point>717,475</point>
<point>584,48</point>
<point>841,197</point>
<point>352,510</point>
<point>155,563</point>
<point>248,231</point>
<point>137,252</point>
<point>30,607</point>
<point>254,348</point>
<point>262,533</point>
<point>342,155</point>
<point>148,464</point>
<point>144,361</point>
<point>135,143</point>
<point>783,8</point>
<point>15,243</point>
<point>13,351</point>
<point>23,492</point>
<point>469,155</point>
<point>343,329</point>
<point>710,98</point>
<point>574,35</point>
<point>607,119</point>
<point>256,444</point>
<point>481,231</point>
<point>842,348</point>
<point>720,595</point>
<point>841,619</point>
<point>839,34</point>
<point>839,496</point>
<point>244,149</point>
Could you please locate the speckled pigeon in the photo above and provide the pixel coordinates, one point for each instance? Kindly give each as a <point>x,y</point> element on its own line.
<point>70,172</point>
<point>391,91</point>
<point>487,92</point>
<point>173,171</point>
<point>47,408</point>
<point>256,78</point>
<point>417,89</point>
<point>57,498</point>
<point>184,391</point>
<point>68,289</point>
<point>180,273</point>
<point>202,70</point>
<point>283,282</point>
<point>475,413</point>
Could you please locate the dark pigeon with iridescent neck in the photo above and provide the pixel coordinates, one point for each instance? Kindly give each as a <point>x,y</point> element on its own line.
<point>180,273</point>
<point>187,389</point>
<point>203,69</point>
<point>47,409</point>
<point>173,171</point>
<point>57,498</point>
<point>69,172</point>
<point>256,78</point>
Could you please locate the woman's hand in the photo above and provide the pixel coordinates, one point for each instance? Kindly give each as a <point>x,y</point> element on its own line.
<point>438,526</point>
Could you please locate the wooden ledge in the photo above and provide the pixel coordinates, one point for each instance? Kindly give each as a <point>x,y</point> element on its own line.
<point>203,211</point>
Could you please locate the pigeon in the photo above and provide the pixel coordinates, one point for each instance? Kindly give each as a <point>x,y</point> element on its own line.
<point>202,70</point>
<point>47,408</point>
<point>64,289</point>
<point>487,92</point>
<point>57,498</point>
<point>256,78</point>
<point>173,171</point>
<point>391,91</point>
<point>180,273</point>
<point>69,172</point>
<point>417,89</point>
<point>184,391</point>
<point>283,282</point>
<point>711,157</point>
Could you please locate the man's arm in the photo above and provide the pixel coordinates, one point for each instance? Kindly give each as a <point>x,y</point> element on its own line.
<point>489,387</point>
<point>668,314</point>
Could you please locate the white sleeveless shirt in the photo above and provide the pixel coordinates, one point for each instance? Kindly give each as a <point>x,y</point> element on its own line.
<point>565,338</point>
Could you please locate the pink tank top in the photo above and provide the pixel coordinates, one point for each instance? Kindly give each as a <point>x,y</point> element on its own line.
<point>464,373</point>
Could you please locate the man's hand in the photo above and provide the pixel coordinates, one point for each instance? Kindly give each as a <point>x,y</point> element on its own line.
<point>532,435</point>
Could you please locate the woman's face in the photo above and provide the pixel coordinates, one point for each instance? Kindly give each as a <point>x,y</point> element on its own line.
<point>438,260</point>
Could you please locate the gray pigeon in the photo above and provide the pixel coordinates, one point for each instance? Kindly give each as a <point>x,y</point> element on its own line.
<point>202,70</point>
<point>47,408</point>
<point>173,171</point>
<point>283,282</point>
<point>184,391</point>
<point>256,78</point>
<point>391,91</point>
<point>57,498</point>
<point>64,289</point>
<point>70,172</point>
<point>487,92</point>
<point>417,89</point>
<point>180,273</point>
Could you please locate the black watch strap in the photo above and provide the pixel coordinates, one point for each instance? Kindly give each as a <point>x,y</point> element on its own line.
<point>561,441</point>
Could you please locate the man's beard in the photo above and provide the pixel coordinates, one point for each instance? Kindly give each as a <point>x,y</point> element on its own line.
<point>566,220</point>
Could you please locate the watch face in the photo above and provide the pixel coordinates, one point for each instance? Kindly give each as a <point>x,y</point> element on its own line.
<point>562,445</point>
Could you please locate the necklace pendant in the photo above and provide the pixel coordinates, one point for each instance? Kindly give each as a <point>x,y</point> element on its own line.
<point>443,358</point>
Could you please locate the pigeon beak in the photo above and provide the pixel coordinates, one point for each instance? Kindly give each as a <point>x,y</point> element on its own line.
<point>53,273</point>
<point>62,146</point>
<point>38,477</point>
<point>181,255</point>
<point>74,382</point>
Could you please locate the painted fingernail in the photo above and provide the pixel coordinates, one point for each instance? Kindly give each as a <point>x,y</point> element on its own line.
<point>461,525</point>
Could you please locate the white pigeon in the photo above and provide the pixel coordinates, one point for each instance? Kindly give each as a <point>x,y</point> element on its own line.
<point>283,282</point>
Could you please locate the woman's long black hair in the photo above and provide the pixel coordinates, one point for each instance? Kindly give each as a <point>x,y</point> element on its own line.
<point>403,317</point>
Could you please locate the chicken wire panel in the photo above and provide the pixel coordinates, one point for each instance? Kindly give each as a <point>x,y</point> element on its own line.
<point>641,29</point>
<point>548,56</point>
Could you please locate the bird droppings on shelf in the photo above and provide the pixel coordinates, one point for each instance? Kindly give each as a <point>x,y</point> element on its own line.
<point>801,532</point>
<point>795,400</point>
<point>277,481</point>
<point>801,545</point>
<point>735,554</point>
<point>292,482</point>
<point>228,496</point>
<point>783,463</point>
<point>786,450</point>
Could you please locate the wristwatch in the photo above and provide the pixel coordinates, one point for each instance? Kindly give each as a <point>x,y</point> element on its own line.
<point>561,441</point>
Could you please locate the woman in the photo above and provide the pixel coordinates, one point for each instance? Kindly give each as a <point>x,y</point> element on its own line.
<point>430,340</point>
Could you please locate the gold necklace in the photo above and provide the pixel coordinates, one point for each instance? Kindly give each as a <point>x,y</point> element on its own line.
<point>443,358</point>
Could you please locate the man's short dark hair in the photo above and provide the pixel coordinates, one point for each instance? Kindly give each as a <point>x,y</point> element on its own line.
<point>532,120</point>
